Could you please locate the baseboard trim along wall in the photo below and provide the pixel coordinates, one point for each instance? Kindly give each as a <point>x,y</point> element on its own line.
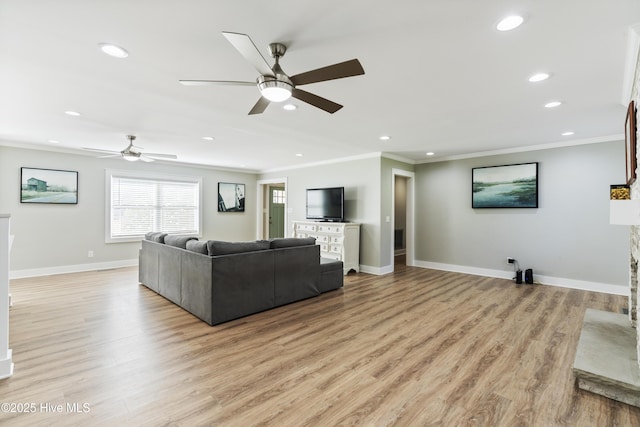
<point>63,269</point>
<point>378,271</point>
<point>562,282</point>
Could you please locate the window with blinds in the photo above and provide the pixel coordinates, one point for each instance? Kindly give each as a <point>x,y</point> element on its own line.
<point>140,204</point>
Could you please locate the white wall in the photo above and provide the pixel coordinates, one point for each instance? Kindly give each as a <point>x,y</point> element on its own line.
<point>57,238</point>
<point>567,241</point>
<point>361,181</point>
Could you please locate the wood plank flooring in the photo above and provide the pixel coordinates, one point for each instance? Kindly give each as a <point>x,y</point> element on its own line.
<point>413,348</point>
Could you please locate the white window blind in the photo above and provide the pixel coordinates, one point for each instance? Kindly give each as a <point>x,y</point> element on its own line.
<point>138,205</point>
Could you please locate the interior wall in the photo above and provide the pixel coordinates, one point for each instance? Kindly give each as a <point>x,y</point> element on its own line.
<point>361,181</point>
<point>59,236</point>
<point>567,236</point>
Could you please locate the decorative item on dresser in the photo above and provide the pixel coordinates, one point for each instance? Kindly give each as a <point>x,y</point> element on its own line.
<point>337,240</point>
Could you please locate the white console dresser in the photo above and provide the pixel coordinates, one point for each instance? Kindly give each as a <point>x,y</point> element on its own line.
<point>337,240</point>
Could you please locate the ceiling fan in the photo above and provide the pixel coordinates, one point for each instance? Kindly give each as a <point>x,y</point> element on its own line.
<point>274,84</point>
<point>131,154</point>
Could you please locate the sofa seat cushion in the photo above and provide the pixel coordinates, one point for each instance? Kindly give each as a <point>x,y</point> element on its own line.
<point>177,241</point>
<point>288,242</point>
<point>216,247</point>
<point>331,275</point>
<point>328,264</point>
<point>198,246</point>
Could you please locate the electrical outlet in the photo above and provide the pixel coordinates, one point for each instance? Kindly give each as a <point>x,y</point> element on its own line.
<point>90,254</point>
<point>510,260</point>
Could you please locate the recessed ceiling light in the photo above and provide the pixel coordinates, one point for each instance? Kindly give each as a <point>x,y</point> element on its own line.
<point>53,141</point>
<point>385,138</point>
<point>430,153</point>
<point>72,113</point>
<point>509,23</point>
<point>538,77</point>
<point>552,104</point>
<point>113,50</point>
<point>299,155</point>
<point>289,107</point>
<point>208,138</point>
<point>568,133</point>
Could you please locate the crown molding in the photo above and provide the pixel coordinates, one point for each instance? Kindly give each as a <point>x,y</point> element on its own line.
<point>550,146</point>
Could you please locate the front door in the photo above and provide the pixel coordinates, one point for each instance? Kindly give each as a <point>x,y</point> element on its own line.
<point>276,211</point>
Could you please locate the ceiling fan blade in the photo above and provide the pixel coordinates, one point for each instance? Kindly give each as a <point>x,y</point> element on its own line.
<point>215,82</point>
<point>97,150</point>
<point>248,49</point>
<point>160,155</point>
<point>260,106</point>
<point>146,159</point>
<point>331,72</point>
<point>110,155</point>
<point>316,101</point>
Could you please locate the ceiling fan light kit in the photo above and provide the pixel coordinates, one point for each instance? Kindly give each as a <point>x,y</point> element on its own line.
<point>274,84</point>
<point>275,90</point>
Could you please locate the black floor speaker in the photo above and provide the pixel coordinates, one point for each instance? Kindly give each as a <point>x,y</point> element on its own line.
<point>528,276</point>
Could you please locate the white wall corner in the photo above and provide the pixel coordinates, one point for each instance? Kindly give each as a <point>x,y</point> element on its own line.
<point>633,49</point>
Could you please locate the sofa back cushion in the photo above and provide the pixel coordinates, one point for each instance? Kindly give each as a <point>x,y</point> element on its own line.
<point>198,246</point>
<point>177,241</point>
<point>155,236</point>
<point>216,247</point>
<point>288,242</point>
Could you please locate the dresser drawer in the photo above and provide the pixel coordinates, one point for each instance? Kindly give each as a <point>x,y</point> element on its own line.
<point>336,249</point>
<point>306,227</point>
<point>336,240</point>
<point>331,228</point>
<point>322,239</point>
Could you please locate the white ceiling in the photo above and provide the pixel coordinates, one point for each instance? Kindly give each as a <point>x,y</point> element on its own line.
<point>439,76</point>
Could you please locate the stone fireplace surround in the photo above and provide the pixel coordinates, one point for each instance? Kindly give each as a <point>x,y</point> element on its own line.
<point>608,354</point>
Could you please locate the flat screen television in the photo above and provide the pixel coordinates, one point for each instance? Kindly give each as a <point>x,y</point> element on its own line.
<point>325,204</point>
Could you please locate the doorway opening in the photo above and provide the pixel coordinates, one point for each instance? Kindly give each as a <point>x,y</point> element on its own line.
<point>272,213</point>
<point>402,224</point>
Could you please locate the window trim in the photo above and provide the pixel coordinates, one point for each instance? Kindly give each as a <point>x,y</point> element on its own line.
<point>118,173</point>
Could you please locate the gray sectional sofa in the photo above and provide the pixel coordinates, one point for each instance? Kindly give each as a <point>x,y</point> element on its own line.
<point>220,281</point>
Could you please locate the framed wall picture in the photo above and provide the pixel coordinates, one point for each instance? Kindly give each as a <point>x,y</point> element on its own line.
<point>230,197</point>
<point>509,186</point>
<point>630,143</point>
<point>48,186</point>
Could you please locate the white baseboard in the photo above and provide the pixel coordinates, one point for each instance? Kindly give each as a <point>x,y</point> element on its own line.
<point>63,269</point>
<point>562,282</point>
<point>378,271</point>
<point>606,288</point>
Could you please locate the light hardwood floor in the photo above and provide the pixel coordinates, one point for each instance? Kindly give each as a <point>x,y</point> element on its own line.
<point>417,347</point>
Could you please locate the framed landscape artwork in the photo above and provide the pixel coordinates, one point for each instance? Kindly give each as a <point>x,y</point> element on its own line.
<point>630,143</point>
<point>509,186</point>
<point>48,186</point>
<point>230,197</point>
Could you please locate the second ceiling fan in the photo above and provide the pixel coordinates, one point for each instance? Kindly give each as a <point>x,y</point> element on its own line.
<point>274,84</point>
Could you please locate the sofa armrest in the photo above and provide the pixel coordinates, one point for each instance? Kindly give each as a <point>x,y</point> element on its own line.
<point>148,265</point>
<point>242,284</point>
<point>297,273</point>
<point>196,279</point>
